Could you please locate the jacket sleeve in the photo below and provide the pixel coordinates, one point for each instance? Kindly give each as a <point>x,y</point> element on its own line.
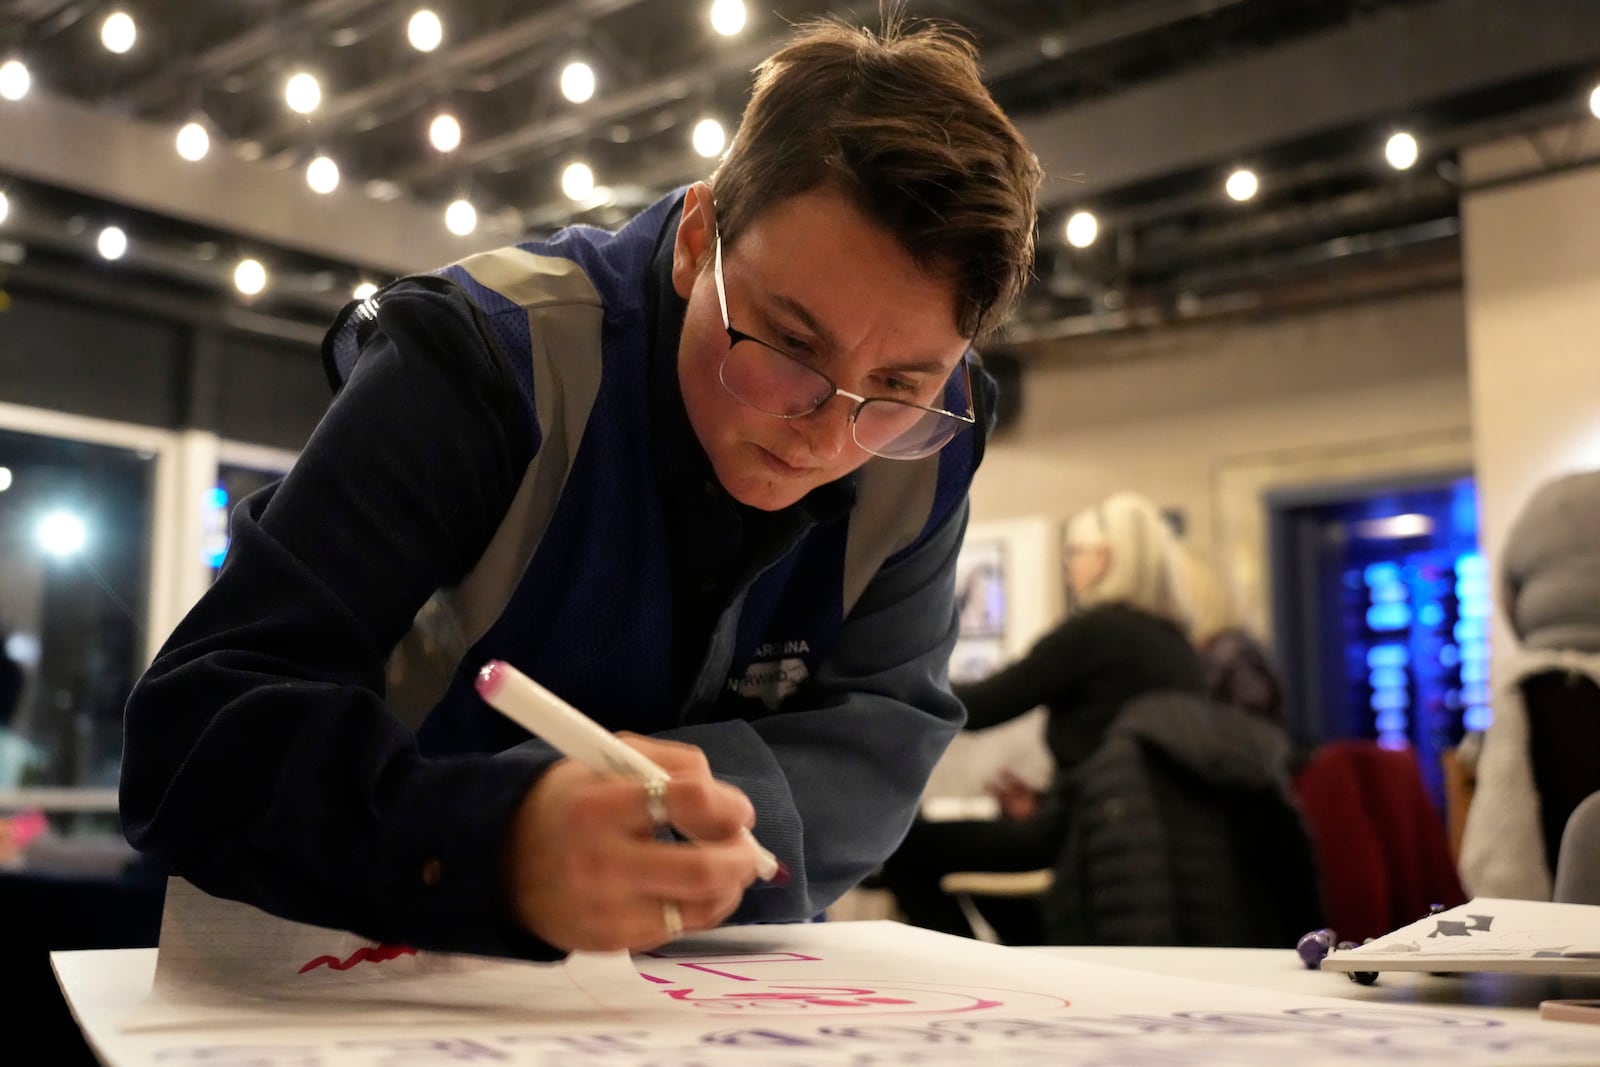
<point>260,759</point>
<point>837,781</point>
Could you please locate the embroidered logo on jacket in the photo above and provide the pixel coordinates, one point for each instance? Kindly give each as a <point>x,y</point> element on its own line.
<point>770,680</point>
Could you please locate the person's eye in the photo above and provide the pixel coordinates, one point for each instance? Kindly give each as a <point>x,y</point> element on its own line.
<point>790,343</point>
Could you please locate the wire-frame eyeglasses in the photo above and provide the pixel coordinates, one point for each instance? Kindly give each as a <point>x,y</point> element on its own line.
<point>765,377</point>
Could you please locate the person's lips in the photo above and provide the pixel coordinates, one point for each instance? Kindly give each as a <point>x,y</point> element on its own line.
<point>780,465</point>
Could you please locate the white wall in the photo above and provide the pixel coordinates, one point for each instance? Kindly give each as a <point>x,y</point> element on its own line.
<point>1533,311</point>
<point>1207,418</point>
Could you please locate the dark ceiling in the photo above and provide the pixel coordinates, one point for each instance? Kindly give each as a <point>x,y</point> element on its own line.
<point>1138,109</point>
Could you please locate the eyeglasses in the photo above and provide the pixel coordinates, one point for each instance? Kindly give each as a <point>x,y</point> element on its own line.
<point>765,377</point>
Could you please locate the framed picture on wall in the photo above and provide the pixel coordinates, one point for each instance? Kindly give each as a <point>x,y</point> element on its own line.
<point>981,590</point>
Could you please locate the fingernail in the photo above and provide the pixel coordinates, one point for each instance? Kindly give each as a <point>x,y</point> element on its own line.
<point>781,876</point>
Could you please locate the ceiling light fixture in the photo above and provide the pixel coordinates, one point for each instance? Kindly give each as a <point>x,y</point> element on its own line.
<point>365,291</point>
<point>14,80</point>
<point>303,93</point>
<point>1243,184</point>
<point>1594,102</point>
<point>577,181</point>
<point>1082,229</point>
<point>1401,151</point>
<point>727,16</point>
<point>322,174</point>
<point>445,133</point>
<point>5,207</point>
<point>577,81</point>
<point>112,243</point>
<point>425,31</point>
<point>250,277</point>
<point>193,142</point>
<point>709,138</point>
<point>118,32</point>
<point>461,218</point>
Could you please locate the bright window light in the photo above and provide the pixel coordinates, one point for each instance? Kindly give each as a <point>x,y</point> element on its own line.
<point>365,291</point>
<point>1594,101</point>
<point>577,81</point>
<point>62,534</point>
<point>577,181</point>
<point>461,218</point>
<point>1401,151</point>
<point>5,207</point>
<point>14,79</point>
<point>112,243</point>
<point>5,479</point>
<point>444,132</point>
<point>709,138</point>
<point>1082,229</point>
<point>303,93</point>
<point>118,32</point>
<point>250,277</point>
<point>322,174</point>
<point>1243,184</point>
<point>727,16</point>
<point>193,142</point>
<point>425,31</point>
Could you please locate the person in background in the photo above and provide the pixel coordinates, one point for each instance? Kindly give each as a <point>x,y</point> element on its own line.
<point>1540,756</point>
<point>704,477</point>
<point>1125,634</point>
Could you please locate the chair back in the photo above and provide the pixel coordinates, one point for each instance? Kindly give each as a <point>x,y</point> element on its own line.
<point>1578,865</point>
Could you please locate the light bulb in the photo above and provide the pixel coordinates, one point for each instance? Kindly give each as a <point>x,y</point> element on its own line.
<point>577,81</point>
<point>322,174</point>
<point>1243,184</point>
<point>425,31</point>
<point>709,138</point>
<point>193,142</point>
<point>250,277</point>
<point>445,133</point>
<point>118,32</point>
<point>461,218</point>
<point>14,80</point>
<point>1082,229</point>
<point>303,93</point>
<point>1401,151</point>
<point>577,181</point>
<point>112,243</point>
<point>727,16</point>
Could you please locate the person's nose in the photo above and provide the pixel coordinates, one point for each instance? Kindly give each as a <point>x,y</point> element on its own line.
<point>827,429</point>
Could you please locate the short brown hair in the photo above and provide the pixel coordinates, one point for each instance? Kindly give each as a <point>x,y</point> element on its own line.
<point>901,122</point>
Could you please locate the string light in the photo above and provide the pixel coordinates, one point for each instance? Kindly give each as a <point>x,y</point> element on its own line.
<point>444,133</point>
<point>193,142</point>
<point>14,80</point>
<point>577,81</point>
<point>1401,151</point>
<point>727,16</point>
<point>461,218</point>
<point>1082,229</point>
<point>118,32</point>
<point>1243,184</point>
<point>112,243</point>
<point>425,31</point>
<point>577,181</point>
<point>322,174</point>
<point>250,277</point>
<point>303,93</point>
<point>709,138</point>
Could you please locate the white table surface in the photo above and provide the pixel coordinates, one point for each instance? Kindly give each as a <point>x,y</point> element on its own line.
<point>1502,996</point>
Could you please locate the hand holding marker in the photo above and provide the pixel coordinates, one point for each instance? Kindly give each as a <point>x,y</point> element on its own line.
<point>581,739</point>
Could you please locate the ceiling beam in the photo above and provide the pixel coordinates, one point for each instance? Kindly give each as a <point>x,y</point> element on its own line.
<point>59,142</point>
<point>265,39</point>
<point>340,112</point>
<point>1376,69</point>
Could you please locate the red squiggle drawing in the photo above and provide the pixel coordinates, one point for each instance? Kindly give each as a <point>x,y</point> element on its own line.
<point>376,954</point>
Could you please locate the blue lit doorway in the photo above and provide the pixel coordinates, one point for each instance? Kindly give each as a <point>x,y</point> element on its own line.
<point>1381,609</point>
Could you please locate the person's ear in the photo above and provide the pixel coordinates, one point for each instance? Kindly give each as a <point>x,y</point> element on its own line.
<point>697,229</point>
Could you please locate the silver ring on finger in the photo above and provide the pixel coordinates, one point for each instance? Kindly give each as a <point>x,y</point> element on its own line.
<point>672,919</point>
<point>655,801</point>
